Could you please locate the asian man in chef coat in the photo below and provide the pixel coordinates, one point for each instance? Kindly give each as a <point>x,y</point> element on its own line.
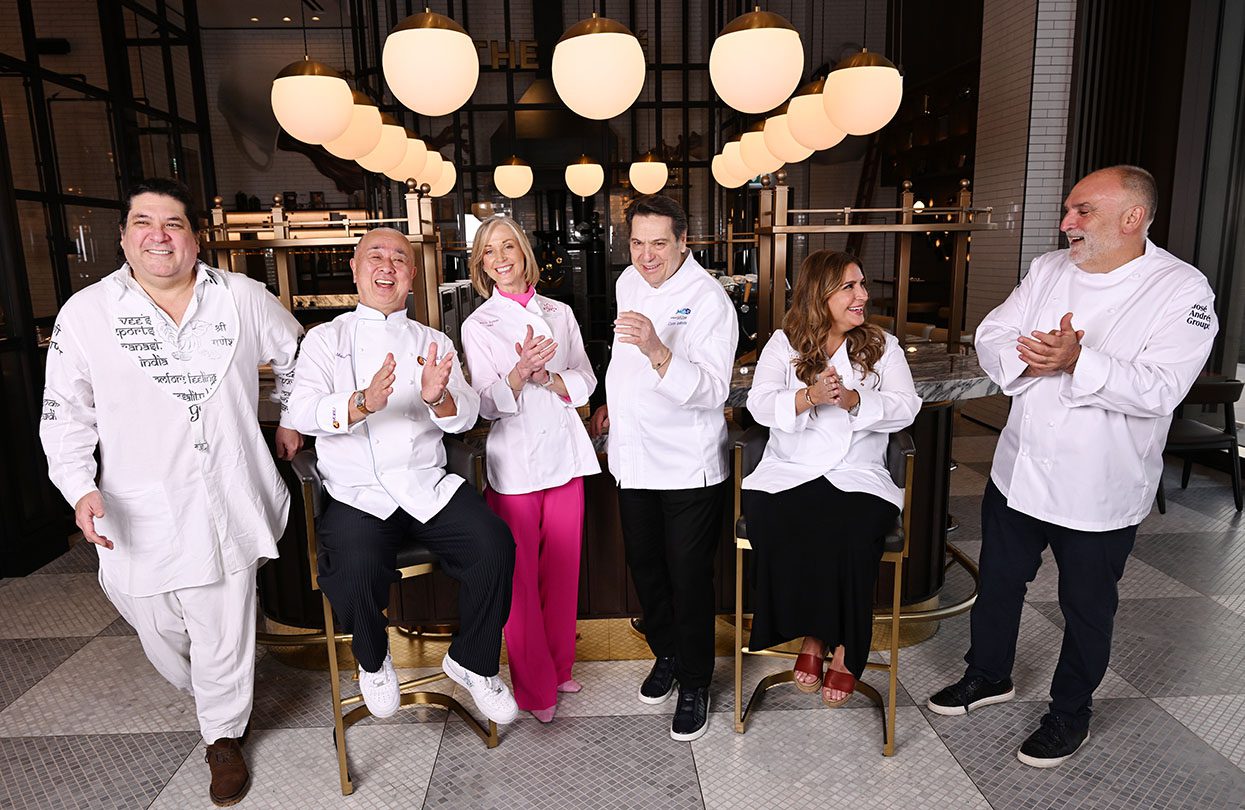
<point>1096,346</point>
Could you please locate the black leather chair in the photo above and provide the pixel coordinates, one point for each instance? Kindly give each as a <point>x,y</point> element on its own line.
<point>413,561</point>
<point>747,450</point>
<point>1189,436</point>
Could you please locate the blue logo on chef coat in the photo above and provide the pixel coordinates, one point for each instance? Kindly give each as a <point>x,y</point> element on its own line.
<point>684,311</point>
<point>679,318</point>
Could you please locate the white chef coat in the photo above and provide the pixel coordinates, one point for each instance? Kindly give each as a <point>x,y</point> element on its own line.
<point>537,441</point>
<point>189,486</point>
<point>1085,450</point>
<point>850,451</point>
<point>670,432</point>
<point>393,458</point>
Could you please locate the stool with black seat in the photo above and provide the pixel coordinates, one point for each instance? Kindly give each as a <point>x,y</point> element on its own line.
<point>1188,436</point>
<point>747,450</point>
<point>413,560</point>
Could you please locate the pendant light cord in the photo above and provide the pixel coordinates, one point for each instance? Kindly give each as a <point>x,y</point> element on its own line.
<point>302,16</point>
<point>341,29</point>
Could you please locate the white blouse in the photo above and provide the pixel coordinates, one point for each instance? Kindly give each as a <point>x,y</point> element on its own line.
<point>850,451</point>
<point>537,440</point>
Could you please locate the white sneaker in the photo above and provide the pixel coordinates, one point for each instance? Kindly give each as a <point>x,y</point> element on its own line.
<point>491,695</point>
<point>380,689</point>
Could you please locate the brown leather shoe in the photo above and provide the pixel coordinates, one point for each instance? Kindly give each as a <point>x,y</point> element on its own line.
<point>230,777</point>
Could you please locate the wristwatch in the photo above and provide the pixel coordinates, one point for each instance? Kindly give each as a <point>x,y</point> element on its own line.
<point>360,402</point>
<point>548,380</point>
<point>444,393</point>
<point>855,409</point>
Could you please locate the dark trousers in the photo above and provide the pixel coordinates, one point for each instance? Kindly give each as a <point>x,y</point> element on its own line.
<point>671,537</point>
<point>358,561</point>
<point>1090,565</point>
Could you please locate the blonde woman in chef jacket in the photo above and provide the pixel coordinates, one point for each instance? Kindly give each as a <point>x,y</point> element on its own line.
<point>527,362</point>
<point>830,387</point>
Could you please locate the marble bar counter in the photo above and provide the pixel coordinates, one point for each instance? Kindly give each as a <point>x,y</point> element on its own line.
<point>939,376</point>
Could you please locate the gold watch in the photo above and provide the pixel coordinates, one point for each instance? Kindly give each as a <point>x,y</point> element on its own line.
<point>360,402</point>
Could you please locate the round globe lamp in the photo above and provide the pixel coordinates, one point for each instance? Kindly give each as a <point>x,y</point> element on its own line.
<point>598,68</point>
<point>431,172</point>
<point>807,119</point>
<point>585,177</point>
<point>363,133</point>
<point>513,178</point>
<point>648,175</point>
<point>755,154</point>
<point>312,101</point>
<point>723,175</point>
<point>733,162</point>
<point>445,183</point>
<point>390,149</point>
<point>863,93</point>
<point>430,64</point>
<point>756,61</point>
<point>779,141</point>
<point>412,162</point>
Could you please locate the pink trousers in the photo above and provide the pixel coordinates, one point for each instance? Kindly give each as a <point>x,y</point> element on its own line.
<point>548,528</point>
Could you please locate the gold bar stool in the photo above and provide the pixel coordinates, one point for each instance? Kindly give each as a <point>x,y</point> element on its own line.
<point>900,456</point>
<point>413,560</point>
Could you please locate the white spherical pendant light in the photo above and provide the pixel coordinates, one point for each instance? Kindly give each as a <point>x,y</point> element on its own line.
<point>722,174</point>
<point>513,178</point>
<point>756,61</point>
<point>648,175</point>
<point>312,101</point>
<point>755,154</point>
<point>412,162</point>
<point>390,149</point>
<point>598,68</point>
<point>733,162</point>
<point>430,64</point>
<point>445,183</point>
<point>863,93</point>
<point>585,177</point>
<point>807,119</point>
<point>363,133</point>
<point>431,173</point>
<point>779,141</point>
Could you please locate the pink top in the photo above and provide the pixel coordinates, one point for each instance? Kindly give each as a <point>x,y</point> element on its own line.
<point>522,298</point>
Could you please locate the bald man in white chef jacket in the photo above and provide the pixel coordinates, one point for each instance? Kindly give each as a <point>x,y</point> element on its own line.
<point>157,366</point>
<point>1096,346</point>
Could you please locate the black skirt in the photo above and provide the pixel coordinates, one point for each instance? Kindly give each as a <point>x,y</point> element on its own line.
<point>816,552</point>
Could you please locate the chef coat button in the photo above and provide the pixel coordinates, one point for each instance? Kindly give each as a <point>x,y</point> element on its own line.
<point>1050,424</point>
<point>1027,417</point>
<point>1024,453</point>
<point>1111,309</point>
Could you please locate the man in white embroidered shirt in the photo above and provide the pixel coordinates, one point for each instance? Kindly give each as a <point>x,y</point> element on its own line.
<point>157,366</point>
<point>1096,346</point>
<point>379,391</point>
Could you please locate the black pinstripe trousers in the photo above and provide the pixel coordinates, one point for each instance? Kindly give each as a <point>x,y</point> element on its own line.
<point>358,561</point>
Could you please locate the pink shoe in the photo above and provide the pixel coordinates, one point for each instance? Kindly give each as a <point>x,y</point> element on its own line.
<point>545,715</point>
<point>570,685</point>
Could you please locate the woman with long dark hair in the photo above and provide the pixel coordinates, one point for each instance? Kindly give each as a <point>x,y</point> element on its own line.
<point>830,386</point>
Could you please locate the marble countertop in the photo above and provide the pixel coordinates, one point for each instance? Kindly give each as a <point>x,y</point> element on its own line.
<point>938,376</point>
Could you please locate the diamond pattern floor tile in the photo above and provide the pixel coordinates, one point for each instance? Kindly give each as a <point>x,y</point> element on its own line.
<point>1176,647</point>
<point>575,763</point>
<point>1219,720</point>
<point>1181,519</point>
<point>1140,581</point>
<point>1137,756</point>
<point>831,758</point>
<point>54,606</point>
<point>932,664</point>
<point>107,687</point>
<point>1209,562</point>
<point>120,771</point>
<point>967,427</point>
<point>1214,501</point>
<point>119,628</point>
<point>297,768</point>
<point>81,558</point>
<point>973,448</point>
<point>967,481</point>
<point>24,662</point>
<point>1234,603</point>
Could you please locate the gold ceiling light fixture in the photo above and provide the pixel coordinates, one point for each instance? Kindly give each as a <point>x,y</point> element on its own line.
<point>755,154</point>
<point>584,177</point>
<point>807,119</point>
<point>513,178</point>
<point>756,61</point>
<point>598,68</point>
<point>863,93</point>
<point>390,149</point>
<point>649,174</point>
<point>780,142</point>
<point>430,63</point>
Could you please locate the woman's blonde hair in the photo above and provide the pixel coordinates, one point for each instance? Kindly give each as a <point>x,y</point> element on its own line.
<point>807,324</point>
<point>475,264</point>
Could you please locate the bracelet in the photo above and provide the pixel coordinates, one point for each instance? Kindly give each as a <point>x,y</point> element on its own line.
<point>669,355</point>
<point>855,409</point>
<point>809,397</point>
<point>440,400</point>
<point>548,383</point>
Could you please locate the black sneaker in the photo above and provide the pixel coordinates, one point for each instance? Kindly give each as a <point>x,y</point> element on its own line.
<point>660,682</point>
<point>970,693</point>
<point>1052,743</point>
<point>691,716</point>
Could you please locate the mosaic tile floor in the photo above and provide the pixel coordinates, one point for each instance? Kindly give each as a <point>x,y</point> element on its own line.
<point>86,722</point>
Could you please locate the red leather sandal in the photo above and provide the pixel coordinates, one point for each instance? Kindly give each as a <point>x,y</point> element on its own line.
<point>809,664</point>
<point>842,681</point>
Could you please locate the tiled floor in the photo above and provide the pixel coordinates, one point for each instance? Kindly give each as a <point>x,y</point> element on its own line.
<point>86,722</point>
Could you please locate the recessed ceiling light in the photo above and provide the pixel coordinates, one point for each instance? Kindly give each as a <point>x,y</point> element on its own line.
<point>315,19</point>
<point>285,19</point>
<point>255,19</point>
